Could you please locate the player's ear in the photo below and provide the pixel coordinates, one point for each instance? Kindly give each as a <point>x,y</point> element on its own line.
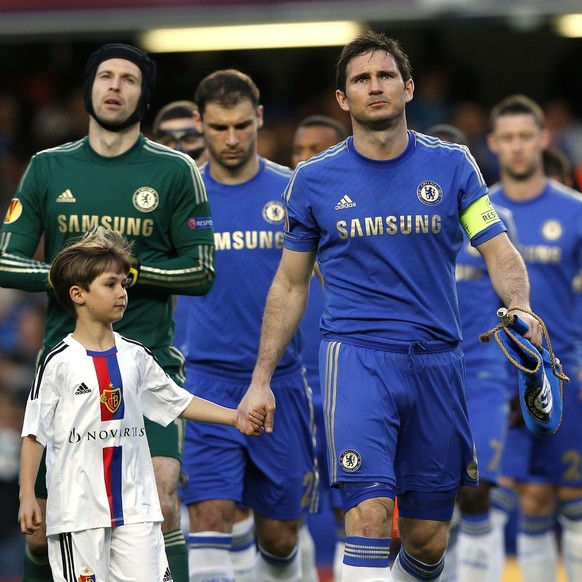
<point>198,121</point>
<point>408,90</point>
<point>260,116</point>
<point>77,295</point>
<point>342,100</point>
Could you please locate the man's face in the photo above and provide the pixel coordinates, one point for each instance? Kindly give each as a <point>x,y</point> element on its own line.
<point>181,134</point>
<point>376,94</point>
<point>116,90</point>
<point>518,142</point>
<point>311,140</point>
<point>231,133</point>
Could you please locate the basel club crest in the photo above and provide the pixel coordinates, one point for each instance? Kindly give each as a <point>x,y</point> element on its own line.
<point>87,576</point>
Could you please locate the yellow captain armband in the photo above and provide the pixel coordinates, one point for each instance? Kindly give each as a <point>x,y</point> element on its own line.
<point>478,216</point>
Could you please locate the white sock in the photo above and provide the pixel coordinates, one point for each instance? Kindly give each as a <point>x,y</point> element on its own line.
<point>360,574</point>
<point>340,542</point>
<point>270,568</point>
<point>408,569</point>
<point>537,549</point>
<point>479,549</point>
<point>572,547</point>
<point>338,560</point>
<point>366,560</point>
<point>307,550</point>
<point>208,556</point>
<point>243,552</point>
<point>499,519</point>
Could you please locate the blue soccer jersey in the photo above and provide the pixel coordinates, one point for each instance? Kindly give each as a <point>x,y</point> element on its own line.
<point>487,373</point>
<point>248,220</point>
<point>276,477</point>
<point>549,231</point>
<point>387,235</point>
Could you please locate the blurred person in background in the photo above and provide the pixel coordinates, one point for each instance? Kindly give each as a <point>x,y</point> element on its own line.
<point>116,177</point>
<point>544,470</point>
<point>174,127</point>
<point>475,550</point>
<point>313,135</point>
<point>275,476</point>
<point>558,166</point>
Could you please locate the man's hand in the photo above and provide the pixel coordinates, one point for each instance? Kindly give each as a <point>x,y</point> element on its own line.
<point>259,400</point>
<point>534,334</point>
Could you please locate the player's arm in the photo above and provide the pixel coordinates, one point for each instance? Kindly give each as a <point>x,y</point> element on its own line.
<point>202,410</point>
<point>21,233</point>
<point>284,309</point>
<point>29,515</point>
<point>189,268</point>
<point>510,279</point>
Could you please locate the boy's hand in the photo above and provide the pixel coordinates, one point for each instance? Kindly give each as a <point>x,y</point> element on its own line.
<point>254,424</point>
<point>29,516</point>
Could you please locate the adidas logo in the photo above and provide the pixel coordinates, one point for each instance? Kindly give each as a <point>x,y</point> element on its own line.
<point>167,575</point>
<point>66,196</point>
<point>345,202</point>
<point>82,389</point>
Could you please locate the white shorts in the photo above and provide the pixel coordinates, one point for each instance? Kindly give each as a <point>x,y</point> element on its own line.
<point>128,552</point>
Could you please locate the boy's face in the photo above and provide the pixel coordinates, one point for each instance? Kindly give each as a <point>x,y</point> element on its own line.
<point>106,299</point>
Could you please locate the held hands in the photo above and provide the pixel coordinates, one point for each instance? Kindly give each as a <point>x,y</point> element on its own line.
<point>254,425</point>
<point>257,408</point>
<point>29,516</point>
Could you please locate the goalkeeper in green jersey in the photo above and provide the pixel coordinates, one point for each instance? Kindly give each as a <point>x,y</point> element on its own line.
<point>154,196</point>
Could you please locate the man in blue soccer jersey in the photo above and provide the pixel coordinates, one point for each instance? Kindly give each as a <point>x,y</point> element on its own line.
<point>548,219</point>
<point>475,549</point>
<point>276,478</point>
<point>382,213</point>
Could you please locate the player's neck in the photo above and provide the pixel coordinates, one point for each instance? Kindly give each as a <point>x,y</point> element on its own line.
<point>239,175</point>
<point>521,190</point>
<point>381,145</point>
<point>94,335</point>
<point>110,143</point>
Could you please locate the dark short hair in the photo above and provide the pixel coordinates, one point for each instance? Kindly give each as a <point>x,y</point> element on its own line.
<point>518,105</point>
<point>447,132</point>
<point>85,258</point>
<point>227,87</point>
<point>323,120</point>
<point>371,41</point>
<point>557,165</point>
<point>174,110</point>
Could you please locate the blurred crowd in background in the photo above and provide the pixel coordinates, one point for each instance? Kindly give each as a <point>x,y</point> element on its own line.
<point>42,115</point>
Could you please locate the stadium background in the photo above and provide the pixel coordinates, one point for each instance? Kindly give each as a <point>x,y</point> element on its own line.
<point>466,55</point>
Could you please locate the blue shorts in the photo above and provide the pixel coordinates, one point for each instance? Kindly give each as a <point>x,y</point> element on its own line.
<point>397,417</point>
<point>488,408</point>
<point>329,497</point>
<point>555,459</point>
<point>274,474</point>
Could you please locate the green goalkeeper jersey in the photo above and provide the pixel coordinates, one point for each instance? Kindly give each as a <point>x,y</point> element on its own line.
<point>151,194</point>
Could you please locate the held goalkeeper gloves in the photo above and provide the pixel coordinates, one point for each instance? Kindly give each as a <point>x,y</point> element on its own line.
<point>133,274</point>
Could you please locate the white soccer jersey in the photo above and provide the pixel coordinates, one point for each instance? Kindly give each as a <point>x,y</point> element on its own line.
<point>86,408</point>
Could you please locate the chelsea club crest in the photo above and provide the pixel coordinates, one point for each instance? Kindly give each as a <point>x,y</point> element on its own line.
<point>429,193</point>
<point>274,212</point>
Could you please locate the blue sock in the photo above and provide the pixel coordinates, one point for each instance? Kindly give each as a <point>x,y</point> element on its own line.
<point>367,552</point>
